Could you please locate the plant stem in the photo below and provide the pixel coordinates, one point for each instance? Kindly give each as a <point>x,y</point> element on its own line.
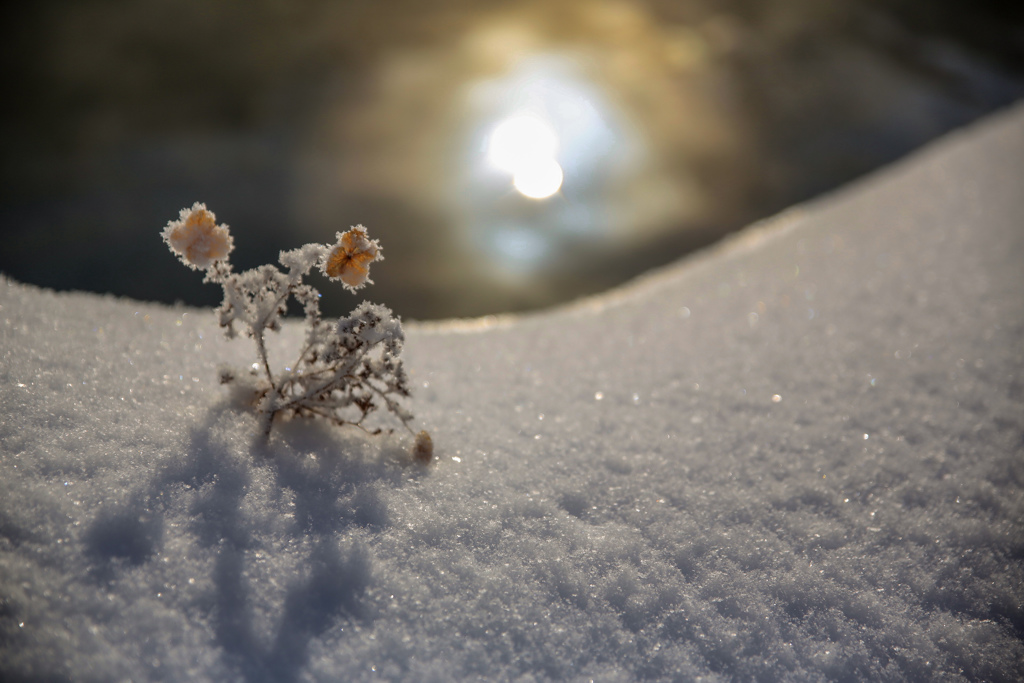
<point>261,349</point>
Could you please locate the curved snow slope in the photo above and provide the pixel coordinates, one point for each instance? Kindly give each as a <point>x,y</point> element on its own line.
<point>798,457</point>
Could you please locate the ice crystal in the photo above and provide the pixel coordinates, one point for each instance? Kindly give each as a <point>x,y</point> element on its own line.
<point>345,370</point>
<point>197,239</point>
<point>349,260</point>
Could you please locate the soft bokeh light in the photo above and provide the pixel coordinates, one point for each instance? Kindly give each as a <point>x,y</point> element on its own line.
<point>525,147</point>
<point>511,155</point>
<point>544,128</point>
<point>521,141</point>
<point>538,179</point>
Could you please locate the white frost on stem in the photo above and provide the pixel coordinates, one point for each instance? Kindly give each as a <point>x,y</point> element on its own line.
<point>345,369</point>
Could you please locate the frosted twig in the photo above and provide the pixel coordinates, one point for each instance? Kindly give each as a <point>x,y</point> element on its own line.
<point>339,365</point>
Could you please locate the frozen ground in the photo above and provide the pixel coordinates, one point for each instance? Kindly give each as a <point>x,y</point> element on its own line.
<point>797,457</point>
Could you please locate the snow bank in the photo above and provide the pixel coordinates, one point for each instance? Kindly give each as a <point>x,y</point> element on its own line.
<point>798,457</point>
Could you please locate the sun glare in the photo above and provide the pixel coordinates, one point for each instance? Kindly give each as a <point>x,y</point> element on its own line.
<point>525,147</point>
<point>539,179</point>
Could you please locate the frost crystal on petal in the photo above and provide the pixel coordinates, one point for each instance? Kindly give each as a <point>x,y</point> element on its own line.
<point>350,258</point>
<point>197,239</point>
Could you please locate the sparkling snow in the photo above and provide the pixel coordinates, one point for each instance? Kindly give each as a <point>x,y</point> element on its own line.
<point>797,457</point>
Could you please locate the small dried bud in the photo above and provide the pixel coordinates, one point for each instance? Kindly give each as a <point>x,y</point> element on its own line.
<point>197,239</point>
<point>423,448</point>
<point>349,260</point>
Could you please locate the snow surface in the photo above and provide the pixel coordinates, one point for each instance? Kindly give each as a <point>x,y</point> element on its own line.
<point>797,457</point>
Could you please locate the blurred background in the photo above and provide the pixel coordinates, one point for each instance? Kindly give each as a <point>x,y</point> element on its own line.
<point>509,155</point>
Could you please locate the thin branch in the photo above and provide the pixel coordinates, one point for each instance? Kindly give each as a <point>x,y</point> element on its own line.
<point>261,350</point>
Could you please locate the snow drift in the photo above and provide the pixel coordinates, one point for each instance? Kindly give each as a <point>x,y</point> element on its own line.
<point>799,457</point>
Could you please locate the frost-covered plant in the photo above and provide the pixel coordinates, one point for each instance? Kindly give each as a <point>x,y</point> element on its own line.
<point>346,368</point>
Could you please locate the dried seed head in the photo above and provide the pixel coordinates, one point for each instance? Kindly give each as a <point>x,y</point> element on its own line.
<point>197,239</point>
<point>349,260</point>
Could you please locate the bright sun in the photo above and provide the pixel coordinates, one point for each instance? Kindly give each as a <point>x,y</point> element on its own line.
<point>525,146</point>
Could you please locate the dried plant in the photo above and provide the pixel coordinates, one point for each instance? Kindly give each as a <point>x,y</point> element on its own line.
<point>346,368</point>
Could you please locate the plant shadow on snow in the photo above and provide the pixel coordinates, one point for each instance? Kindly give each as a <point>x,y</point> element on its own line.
<point>304,489</point>
<point>124,534</point>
